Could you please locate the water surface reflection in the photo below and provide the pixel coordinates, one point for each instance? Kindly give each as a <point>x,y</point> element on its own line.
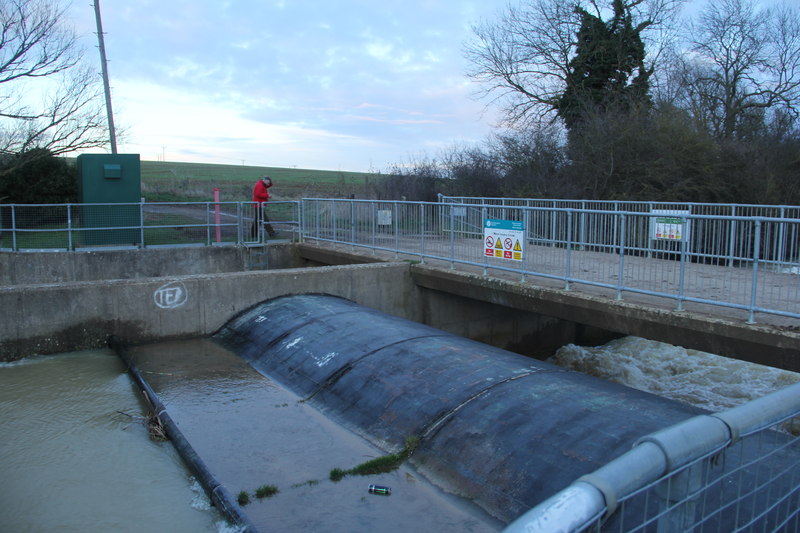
<point>74,455</point>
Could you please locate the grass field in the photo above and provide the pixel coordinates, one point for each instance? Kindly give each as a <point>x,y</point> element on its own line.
<point>166,181</point>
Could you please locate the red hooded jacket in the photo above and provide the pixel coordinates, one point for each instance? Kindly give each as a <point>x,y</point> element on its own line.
<point>260,192</point>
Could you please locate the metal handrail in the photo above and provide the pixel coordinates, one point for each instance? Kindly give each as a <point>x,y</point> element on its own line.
<point>751,249</point>
<point>660,458</point>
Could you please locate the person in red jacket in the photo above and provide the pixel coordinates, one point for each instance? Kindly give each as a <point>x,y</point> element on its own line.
<point>260,197</point>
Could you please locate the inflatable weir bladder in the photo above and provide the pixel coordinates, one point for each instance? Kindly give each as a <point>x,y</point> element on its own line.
<point>500,429</point>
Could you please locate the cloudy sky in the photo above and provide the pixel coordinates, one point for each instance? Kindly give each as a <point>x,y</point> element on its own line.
<point>341,85</point>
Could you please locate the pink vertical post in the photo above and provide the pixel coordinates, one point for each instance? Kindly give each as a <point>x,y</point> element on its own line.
<point>216,214</point>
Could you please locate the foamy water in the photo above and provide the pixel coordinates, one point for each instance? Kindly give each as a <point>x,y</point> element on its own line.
<point>702,379</point>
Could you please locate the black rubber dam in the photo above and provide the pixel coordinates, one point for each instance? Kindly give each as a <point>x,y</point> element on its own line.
<point>497,428</point>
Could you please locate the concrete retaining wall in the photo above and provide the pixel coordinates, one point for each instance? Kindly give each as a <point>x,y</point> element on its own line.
<point>61,317</point>
<point>18,268</point>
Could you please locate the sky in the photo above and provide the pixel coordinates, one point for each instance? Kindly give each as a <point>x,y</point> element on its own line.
<point>352,85</point>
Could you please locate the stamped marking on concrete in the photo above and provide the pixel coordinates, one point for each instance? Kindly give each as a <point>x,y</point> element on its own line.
<point>171,295</point>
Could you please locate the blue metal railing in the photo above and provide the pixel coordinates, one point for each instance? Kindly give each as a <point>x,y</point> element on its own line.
<point>747,263</point>
<point>70,227</point>
<point>738,262</point>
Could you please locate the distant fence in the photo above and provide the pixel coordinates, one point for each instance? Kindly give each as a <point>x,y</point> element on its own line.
<point>749,263</point>
<point>738,470</point>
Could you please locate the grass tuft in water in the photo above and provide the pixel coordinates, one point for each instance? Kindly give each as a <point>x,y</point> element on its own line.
<point>266,491</point>
<point>379,465</point>
<point>243,498</point>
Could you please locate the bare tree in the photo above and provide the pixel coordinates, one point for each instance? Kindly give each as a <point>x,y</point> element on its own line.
<point>49,99</point>
<point>744,63</point>
<point>523,59</point>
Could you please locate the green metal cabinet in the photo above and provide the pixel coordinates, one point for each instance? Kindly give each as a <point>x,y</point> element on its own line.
<point>110,179</point>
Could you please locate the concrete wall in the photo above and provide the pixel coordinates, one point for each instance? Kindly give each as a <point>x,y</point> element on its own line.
<point>149,295</point>
<point>18,268</point>
<point>524,318</point>
<point>59,317</point>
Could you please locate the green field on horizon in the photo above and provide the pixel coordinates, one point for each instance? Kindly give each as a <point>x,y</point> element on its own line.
<point>168,181</point>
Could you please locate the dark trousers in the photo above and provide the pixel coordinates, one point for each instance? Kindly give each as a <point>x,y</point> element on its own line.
<point>259,218</point>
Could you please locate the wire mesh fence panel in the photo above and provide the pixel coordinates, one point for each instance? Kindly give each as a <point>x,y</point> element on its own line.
<point>751,485</point>
<point>37,227</point>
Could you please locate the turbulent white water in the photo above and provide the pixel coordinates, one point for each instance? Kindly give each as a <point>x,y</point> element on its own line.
<point>702,379</point>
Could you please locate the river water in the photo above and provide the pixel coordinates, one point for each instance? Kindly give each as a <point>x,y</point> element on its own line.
<point>75,455</point>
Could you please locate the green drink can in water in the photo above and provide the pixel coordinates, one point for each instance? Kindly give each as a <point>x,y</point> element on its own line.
<point>380,489</point>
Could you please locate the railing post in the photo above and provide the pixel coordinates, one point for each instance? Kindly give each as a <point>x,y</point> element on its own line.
<point>732,237</point>
<point>13,229</point>
<point>239,223</point>
<point>781,248</point>
<point>334,221</point>
<point>422,231</point>
<point>621,254</point>
<point>316,218</point>
<point>452,239</point>
<point>583,226</point>
<point>374,226</point>
<point>485,260</point>
<point>208,224</point>
<point>751,318</point>
<point>616,219</point>
<point>396,232</point>
<point>526,221</point>
<point>69,228</point>
<point>141,224</point>
<point>352,225</point>
<point>217,214</point>
<point>301,220</point>
<point>682,275</point>
<point>569,246</point>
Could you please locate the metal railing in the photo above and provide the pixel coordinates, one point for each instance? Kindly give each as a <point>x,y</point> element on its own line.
<point>748,263</point>
<point>738,470</point>
<point>696,208</point>
<point>69,227</point>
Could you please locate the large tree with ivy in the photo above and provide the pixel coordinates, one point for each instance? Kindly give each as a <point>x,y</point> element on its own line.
<point>546,57</point>
<point>607,73</point>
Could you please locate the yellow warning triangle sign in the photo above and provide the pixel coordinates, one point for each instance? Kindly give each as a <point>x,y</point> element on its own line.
<point>517,247</point>
<point>498,244</point>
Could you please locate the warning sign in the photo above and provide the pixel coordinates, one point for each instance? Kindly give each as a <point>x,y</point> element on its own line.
<point>669,225</point>
<point>504,239</point>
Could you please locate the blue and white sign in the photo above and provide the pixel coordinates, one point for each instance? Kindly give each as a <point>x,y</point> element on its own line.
<point>504,239</point>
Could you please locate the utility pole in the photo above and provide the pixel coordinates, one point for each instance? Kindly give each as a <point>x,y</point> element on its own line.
<point>104,68</point>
